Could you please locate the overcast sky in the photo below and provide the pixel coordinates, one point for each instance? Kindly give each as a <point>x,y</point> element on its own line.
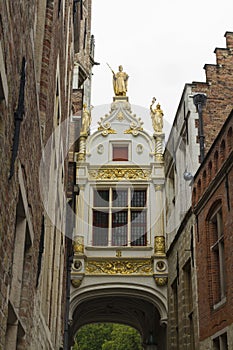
<point>161,44</point>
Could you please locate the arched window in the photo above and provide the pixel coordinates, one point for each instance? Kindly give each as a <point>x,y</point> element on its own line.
<point>204,180</point>
<point>223,150</point>
<point>216,160</point>
<point>210,166</point>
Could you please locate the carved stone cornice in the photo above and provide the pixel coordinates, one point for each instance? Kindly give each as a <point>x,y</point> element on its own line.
<point>120,267</point>
<point>120,174</point>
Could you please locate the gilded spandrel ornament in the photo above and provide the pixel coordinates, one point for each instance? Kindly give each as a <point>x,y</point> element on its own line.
<point>156,116</point>
<point>120,81</point>
<point>161,281</point>
<point>122,267</point>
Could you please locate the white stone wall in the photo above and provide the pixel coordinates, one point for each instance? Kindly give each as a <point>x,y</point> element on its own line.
<point>181,155</point>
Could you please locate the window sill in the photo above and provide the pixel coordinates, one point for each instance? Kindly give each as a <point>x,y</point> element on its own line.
<point>148,248</point>
<point>220,303</point>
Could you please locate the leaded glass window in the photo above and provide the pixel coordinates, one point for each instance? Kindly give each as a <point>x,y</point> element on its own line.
<point>120,217</point>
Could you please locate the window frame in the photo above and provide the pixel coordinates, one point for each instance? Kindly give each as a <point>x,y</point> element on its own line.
<point>216,246</point>
<point>111,209</point>
<point>119,144</point>
<point>220,341</point>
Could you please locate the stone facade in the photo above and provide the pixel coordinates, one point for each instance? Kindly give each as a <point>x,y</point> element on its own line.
<point>119,272</point>
<point>181,159</point>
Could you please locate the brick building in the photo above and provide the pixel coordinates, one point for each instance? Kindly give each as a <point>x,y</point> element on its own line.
<point>212,203</point>
<point>37,40</point>
<point>202,111</point>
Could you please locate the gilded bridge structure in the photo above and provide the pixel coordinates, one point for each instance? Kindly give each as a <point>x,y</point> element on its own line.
<point>119,272</point>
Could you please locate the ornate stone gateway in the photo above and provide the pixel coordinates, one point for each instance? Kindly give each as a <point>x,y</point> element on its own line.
<point>119,271</point>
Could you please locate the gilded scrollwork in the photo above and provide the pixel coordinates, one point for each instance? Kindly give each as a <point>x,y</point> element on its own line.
<point>120,116</point>
<point>121,267</point>
<point>120,173</point>
<point>135,127</point>
<point>105,128</point>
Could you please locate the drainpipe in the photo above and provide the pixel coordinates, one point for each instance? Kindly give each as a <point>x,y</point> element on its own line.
<point>199,100</point>
<point>66,328</point>
<point>70,225</point>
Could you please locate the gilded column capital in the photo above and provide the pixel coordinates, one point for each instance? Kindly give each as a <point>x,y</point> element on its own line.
<point>79,245</point>
<point>159,246</point>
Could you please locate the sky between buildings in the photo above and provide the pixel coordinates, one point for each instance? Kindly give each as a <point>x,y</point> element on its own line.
<point>161,44</point>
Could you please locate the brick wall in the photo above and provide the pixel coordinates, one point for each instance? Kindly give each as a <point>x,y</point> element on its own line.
<point>43,35</point>
<point>219,90</point>
<point>213,183</point>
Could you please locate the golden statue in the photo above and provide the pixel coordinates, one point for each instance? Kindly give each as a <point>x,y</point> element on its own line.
<point>156,116</point>
<point>86,120</point>
<point>120,81</point>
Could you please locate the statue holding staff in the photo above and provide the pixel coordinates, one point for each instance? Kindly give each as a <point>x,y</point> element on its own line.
<point>120,81</point>
<point>156,116</point>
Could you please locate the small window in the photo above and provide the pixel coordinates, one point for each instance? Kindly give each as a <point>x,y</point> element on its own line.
<point>120,153</point>
<point>220,343</point>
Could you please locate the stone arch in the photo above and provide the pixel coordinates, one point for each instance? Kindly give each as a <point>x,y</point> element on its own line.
<point>140,307</point>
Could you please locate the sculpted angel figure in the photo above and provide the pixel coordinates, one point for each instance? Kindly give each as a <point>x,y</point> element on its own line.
<point>120,82</point>
<point>156,116</point>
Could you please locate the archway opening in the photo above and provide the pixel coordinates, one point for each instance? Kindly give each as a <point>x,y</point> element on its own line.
<point>107,336</point>
<point>133,311</point>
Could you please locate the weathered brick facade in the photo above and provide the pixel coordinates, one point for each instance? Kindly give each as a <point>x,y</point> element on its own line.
<point>219,90</point>
<point>33,131</point>
<point>212,194</point>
